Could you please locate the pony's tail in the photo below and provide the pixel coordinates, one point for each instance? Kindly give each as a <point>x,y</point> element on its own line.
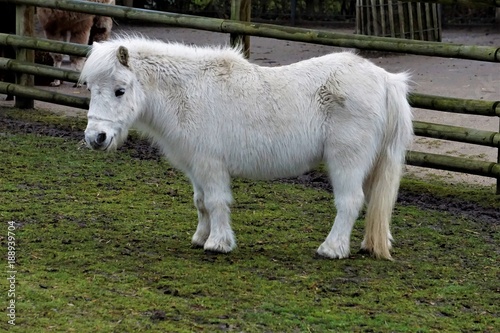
<point>382,184</point>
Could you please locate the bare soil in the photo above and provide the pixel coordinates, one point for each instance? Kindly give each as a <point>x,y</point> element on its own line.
<point>432,75</point>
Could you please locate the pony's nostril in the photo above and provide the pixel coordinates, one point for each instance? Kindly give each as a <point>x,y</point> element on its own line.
<point>101,137</point>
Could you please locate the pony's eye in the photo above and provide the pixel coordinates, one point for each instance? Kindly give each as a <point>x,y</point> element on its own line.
<point>119,92</point>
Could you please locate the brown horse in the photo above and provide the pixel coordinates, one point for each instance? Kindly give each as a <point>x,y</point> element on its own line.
<point>75,28</point>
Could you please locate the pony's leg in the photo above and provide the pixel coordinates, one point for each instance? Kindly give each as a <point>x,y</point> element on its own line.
<point>348,191</point>
<point>215,184</point>
<point>203,228</point>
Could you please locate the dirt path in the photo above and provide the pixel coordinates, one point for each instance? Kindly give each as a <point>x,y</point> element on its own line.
<point>438,76</point>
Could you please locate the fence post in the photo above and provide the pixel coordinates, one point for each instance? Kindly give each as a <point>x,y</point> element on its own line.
<point>25,17</point>
<point>241,10</point>
<point>293,12</point>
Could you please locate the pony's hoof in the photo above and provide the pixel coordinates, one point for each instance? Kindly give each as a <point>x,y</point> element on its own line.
<point>337,252</point>
<point>365,245</point>
<point>196,245</point>
<point>377,252</point>
<point>199,240</point>
<point>220,246</point>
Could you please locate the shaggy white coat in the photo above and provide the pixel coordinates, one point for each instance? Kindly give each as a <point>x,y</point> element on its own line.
<point>215,115</point>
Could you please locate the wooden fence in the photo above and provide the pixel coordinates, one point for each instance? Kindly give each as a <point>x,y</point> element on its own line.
<point>410,20</point>
<point>438,103</point>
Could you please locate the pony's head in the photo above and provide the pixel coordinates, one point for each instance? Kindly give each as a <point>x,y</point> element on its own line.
<point>116,97</point>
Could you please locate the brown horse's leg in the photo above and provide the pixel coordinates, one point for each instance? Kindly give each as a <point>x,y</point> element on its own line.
<point>53,29</point>
<point>80,36</point>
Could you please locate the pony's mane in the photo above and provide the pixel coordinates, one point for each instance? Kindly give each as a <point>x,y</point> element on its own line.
<point>102,57</point>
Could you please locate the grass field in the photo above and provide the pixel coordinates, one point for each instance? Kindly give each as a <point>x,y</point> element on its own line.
<point>102,244</point>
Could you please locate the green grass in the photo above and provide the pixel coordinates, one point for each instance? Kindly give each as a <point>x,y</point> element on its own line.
<point>103,245</point>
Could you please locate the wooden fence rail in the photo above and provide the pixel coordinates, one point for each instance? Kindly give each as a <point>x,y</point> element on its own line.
<point>44,95</point>
<point>467,135</point>
<point>456,164</point>
<point>38,69</point>
<point>456,133</point>
<point>456,105</point>
<point>447,50</point>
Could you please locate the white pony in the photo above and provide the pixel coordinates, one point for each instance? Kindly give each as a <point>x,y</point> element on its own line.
<point>215,115</point>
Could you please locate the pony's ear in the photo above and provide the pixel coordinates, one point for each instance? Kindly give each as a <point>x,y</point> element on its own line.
<point>122,55</point>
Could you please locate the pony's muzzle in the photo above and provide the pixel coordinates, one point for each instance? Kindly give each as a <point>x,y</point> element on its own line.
<point>97,141</point>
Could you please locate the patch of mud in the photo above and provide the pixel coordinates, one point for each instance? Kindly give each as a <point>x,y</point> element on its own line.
<point>142,149</point>
<point>20,126</point>
<point>452,205</point>
<point>135,147</point>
